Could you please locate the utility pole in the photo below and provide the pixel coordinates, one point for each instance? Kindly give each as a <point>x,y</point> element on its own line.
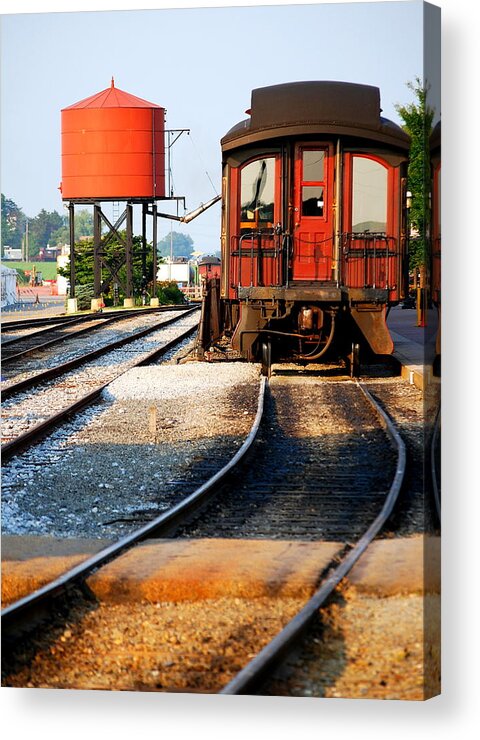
<point>25,245</point>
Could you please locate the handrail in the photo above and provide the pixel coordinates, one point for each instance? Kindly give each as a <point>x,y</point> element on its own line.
<point>368,253</point>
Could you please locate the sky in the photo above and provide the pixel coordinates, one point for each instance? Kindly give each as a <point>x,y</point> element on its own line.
<point>187,60</point>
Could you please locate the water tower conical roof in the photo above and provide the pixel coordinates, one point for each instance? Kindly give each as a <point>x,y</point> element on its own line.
<point>112,97</point>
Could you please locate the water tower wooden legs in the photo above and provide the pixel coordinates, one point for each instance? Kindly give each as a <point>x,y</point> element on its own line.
<point>72,304</point>
<point>104,269</point>
<point>113,250</point>
<point>97,257</point>
<point>128,251</point>
<point>71,216</point>
<point>154,255</point>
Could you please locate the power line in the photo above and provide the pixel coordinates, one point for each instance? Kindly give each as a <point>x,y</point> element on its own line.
<point>202,163</point>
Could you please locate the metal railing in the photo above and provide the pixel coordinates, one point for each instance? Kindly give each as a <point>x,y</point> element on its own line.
<point>368,260</point>
<point>258,258</point>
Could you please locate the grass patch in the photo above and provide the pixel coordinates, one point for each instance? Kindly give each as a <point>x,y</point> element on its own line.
<point>48,269</point>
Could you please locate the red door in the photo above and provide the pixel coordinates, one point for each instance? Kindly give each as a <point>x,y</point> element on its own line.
<point>313,226</point>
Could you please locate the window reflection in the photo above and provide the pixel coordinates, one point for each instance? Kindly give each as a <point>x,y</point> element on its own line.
<point>312,200</point>
<point>369,206</point>
<point>313,165</point>
<point>257,191</point>
<point>313,182</point>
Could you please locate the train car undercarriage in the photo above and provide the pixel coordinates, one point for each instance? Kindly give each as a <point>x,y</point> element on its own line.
<point>295,324</point>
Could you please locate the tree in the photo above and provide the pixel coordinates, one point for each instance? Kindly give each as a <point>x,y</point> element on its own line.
<point>13,223</point>
<point>417,118</point>
<point>181,245</point>
<point>114,257</point>
<point>83,227</point>
<point>41,229</point>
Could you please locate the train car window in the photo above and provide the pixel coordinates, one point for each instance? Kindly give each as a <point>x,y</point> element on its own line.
<point>312,200</point>
<point>257,191</point>
<point>313,182</point>
<point>313,165</point>
<point>369,198</point>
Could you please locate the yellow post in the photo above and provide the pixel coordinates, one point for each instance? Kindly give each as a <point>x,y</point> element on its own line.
<point>422,297</point>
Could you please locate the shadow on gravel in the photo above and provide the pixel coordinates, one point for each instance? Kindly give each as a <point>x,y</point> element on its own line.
<point>21,653</point>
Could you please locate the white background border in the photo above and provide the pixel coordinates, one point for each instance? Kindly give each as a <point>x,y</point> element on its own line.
<point>75,714</point>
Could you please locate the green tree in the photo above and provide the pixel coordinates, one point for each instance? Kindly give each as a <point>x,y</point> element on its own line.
<point>41,229</point>
<point>83,227</point>
<point>13,223</point>
<point>417,118</point>
<point>180,245</point>
<point>114,258</point>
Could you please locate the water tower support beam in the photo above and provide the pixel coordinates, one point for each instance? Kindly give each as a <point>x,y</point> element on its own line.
<point>128,251</point>
<point>71,218</point>
<point>97,258</point>
<point>154,241</point>
<point>144,247</point>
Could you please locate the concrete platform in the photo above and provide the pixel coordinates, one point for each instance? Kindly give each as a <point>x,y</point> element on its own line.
<point>194,570</point>
<point>414,345</point>
<point>30,562</point>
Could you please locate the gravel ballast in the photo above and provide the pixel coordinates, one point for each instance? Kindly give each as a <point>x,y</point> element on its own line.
<point>158,433</point>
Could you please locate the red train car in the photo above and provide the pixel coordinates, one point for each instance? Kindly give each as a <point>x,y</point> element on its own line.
<point>314,225</point>
<point>209,267</point>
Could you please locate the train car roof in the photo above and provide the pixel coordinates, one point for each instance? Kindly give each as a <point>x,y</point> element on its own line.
<point>300,108</point>
<point>208,260</point>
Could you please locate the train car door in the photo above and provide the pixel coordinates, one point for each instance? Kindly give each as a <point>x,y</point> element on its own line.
<point>313,217</point>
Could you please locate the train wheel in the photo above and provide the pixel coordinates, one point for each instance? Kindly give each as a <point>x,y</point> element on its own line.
<point>355,361</point>
<point>267,358</point>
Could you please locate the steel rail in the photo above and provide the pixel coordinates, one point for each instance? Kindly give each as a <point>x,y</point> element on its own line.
<point>256,672</point>
<point>46,323</point>
<point>30,607</point>
<point>37,432</point>
<point>38,331</point>
<point>55,372</point>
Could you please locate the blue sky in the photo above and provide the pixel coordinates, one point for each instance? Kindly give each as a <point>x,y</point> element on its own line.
<point>187,60</point>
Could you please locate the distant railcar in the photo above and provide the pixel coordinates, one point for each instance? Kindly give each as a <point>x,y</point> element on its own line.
<point>314,225</point>
<point>209,267</point>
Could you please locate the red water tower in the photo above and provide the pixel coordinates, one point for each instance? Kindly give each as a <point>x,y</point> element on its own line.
<point>113,148</point>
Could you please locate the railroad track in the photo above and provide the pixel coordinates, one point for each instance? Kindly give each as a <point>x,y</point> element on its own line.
<point>46,322</point>
<point>198,507</point>
<point>51,322</point>
<point>29,373</point>
<point>319,474</point>
<point>251,677</point>
<point>27,418</point>
<point>38,340</point>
